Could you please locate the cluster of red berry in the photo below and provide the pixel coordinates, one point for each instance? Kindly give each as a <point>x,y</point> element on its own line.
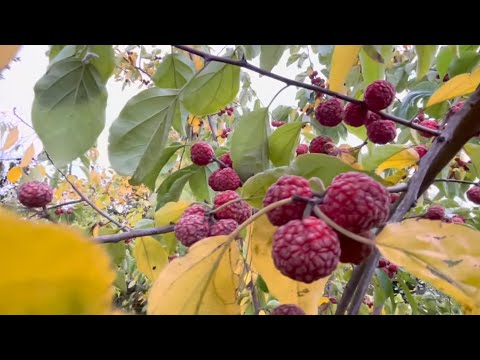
<point>61,211</point>
<point>319,145</point>
<point>388,267</point>
<point>228,110</point>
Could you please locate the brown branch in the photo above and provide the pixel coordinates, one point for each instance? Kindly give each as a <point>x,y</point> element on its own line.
<point>243,63</point>
<point>349,289</point>
<point>65,204</point>
<point>457,181</point>
<point>398,188</point>
<point>19,118</point>
<point>133,234</point>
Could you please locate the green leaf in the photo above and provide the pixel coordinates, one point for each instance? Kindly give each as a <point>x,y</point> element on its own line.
<point>255,188</point>
<point>199,184</point>
<point>116,252</point>
<point>281,113</point>
<point>373,51</point>
<point>383,287</point>
<point>473,151</point>
<point>283,142</point>
<point>120,281</point>
<point>54,50</point>
<point>61,52</point>
<point>270,56</point>
<point>68,112</point>
<point>378,154</point>
<point>426,55</point>
<point>105,63</point>
<point>174,71</point>
<point>371,70</point>
<point>251,51</point>
<point>211,89</point>
<point>140,133</point>
<point>292,58</point>
<point>463,64</point>
<point>444,59</point>
<point>171,188</point>
<point>249,144</point>
<point>359,132</point>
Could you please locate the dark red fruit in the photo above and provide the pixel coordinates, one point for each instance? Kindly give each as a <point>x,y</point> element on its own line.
<point>195,210</point>
<point>35,194</point>
<point>379,95</point>
<point>394,197</point>
<point>224,179</point>
<point>382,262</point>
<point>329,113</point>
<point>278,123</point>
<point>435,212</point>
<point>352,251</point>
<point>58,211</point>
<point>201,153</point>
<point>392,267</point>
<point>302,149</point>
<point>333,300</point>
<point>381,131</point>
<point>239,211</point>
<point>288,309</point>
<point>371,117</point>
<point>421,150</point>
<point>226,159</point>
<point>285,187</point>
<point>454,109</point>
<point>223,227</point>
<point>305,250</point>
<point>356,202</point>
<point>330,149</point>
<point>69,211</point>
<point>355,114</point>
<point>473,194</point>
<point>192,228</point>
<point>431,124</point>
<point>316,145</point>
<point>457,220</point>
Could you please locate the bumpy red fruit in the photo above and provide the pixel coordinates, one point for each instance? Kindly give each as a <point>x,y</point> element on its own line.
<point>35,194</point>
<point>431,124</point>
<point>305,250</point>
<point>223,227</point>
<point>224,179</point>
<point>382,262</point>
<point>371,117</point>
<point>355,114</point>
<point>356,202</point>
<point>239,211</point>
<point>285,187</point>
<point>302,149</point>
<point>381,131</point>
<point>473,194</point>
<point>316,145</point>
<point>421,150</point>
<point>58,211</point>
<point>435,212</point>
<point>195,210</point>
<point>288,309</point>
<point>379,95</point>
<point>192,228</point>
<point>394,197</point>
<point>393,267</point>
<point>352,251</point>
<point>330,149</point>
<point>226,159</point>
<point>457,220</point>
<point>329,113</point>
<point>201,153</point>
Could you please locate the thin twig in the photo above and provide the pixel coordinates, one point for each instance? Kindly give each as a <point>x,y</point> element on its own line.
<point>278,93</point>
<point>65,204</point>
<point>212,128</point>
<point>458,181</point>
<point>23,121</point>
<point>133,234</point>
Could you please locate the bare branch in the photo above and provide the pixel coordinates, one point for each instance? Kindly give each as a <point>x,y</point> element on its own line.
<point>133,234</point>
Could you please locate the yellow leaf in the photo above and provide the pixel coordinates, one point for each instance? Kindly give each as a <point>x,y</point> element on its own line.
<point>343,58</point>
<point>400,160</point>
<point>14,174</point>
<point>179,288</point>
<point>50,269</point>
<point>445,255</point>
<point>170,212</point>
<point>459,85</point>
<point>151,257</point>
<point>350,160</point>
<point>27,156</point>
<point>324,300</point>
<point>397,176</point>
<point>307,128</point>
<point>198,62</point>
<point>12,138</point>
<point>7,53</point>
<point>286,290</point>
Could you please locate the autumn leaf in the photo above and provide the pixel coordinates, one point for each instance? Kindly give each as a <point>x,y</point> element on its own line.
<point>459,85</point>
<point>343,58</point>
<point>27,156</point>
<point>14,174</point>
<point>12,138</point>
<point>7,52</point>
<point>400,160</point>
<point>151,257</point>
<point>166,215</point>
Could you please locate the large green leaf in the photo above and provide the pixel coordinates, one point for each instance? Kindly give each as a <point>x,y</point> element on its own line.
<point>199,184</point>
<point>464,64</point>
<point>61,52</point>
<point>139,134</point>
<point>171,188</point>
<point>444,59</point>
<point>283,142</point>
<point>105,63</point>
<point>210,90</point>
<point>426,55</point>
<point>378,154</point>
<point>174,71</point>
<point>473,150</point>
<point>255,188</point>
<point>249,149</point>
<point>373,69</point>
<point>270,55</point>
<point>251,51</point>
<point>68,112</point>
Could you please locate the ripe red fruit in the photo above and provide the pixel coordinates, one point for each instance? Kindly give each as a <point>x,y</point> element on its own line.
<point>285,187</point>
<point>356,202</point>
<point>305,250</point>
<point>457,219</point>
<point>201,153</point>
<point>333,300</point>
<point>382,262</point>
<point>226,159</point>
<point>431,124</point>
<point>278,123</point>
<point>288,309</point>
<point>69,211</point>
<point>58,211</point>
<point>239,211</point>
<point>394,197</point>
<point>392,267</point>
<point>316,145</point>
<point>224,179</point>
<point>223,227</point>
<point>352,251</point>
<point>371,117</point>
<point>435,212</point>
<point>330,149</point>
<point>381,131</point>
<point>379,95</point>
<point>473,194</point>
<point>421,150</point>
<point>454,109</point>
<point>195,210</point>
<point>302,149</point>
<point>191,228</point>
<point>355,114</point>
<point>329,113</point>
<point>35,194</point>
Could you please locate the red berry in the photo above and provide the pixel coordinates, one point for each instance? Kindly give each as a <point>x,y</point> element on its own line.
<point>224,179</point>
<point>35,194</point>
<point>454,109</point>
<point>435,212</point>
<point>353,251</point>
<point>195,210</point>
<point>473,194</point>
<point>457,219</point>
<point>355,114</point>
<point>392,267</point>
<point>371,117</point>
<point>379,95</point>
<point>314,73</point>
<point>330,149</point>
<point>58,211</point>
<point>381,131</point>
<point>316,145</point>
<point>329,113</point>
<point>191,228</point>
<point>239,211</point>
<point>431,124</point>
<point>226,159</point>
<point>394,197</point>
<point>285,187</point>
<point>69,211</point>
<point>278,123</point>
<point>201,153</point>
<point>356,202</point>
<point>305,250</point>
<point>421,150</point>
<point>382,262</point>
<point>223,227</point>
<point>302,149</point>
<point>333,300</point>
<point>288,309</point>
